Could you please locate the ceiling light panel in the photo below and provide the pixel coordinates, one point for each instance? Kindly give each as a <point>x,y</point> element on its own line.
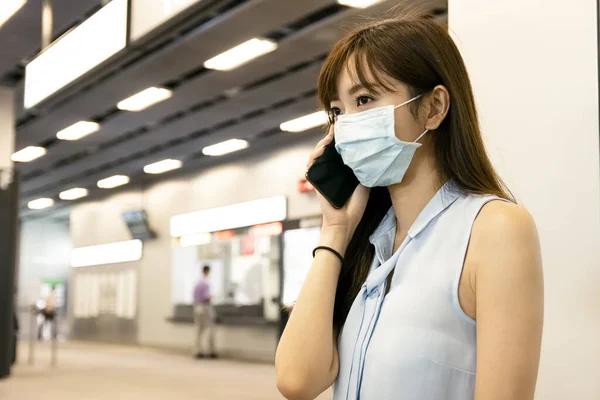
<point>162,166</point>
<point>306,122</point>
<point>73,194</point>
<point>78,130</point>
<point>28,154</point>
<point>359,3</point>
<point>226,147</point>
<point>40,204</point>
<point>144,99</point>
<point>241,54</point>
<point>113,182</point>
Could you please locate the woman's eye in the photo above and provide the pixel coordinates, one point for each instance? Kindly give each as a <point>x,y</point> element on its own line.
<point>362,100</point>
<point>334,112</point>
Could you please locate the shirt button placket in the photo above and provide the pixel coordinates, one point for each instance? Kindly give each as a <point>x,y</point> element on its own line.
<point>371,305</point>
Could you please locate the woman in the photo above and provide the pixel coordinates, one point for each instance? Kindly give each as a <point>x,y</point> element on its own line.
<point>427,285</point>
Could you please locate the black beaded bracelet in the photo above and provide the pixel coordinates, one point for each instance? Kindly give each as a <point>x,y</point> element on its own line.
<point>338,255</point>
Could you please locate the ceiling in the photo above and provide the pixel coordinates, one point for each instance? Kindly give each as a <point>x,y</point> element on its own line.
<point>207,106</point>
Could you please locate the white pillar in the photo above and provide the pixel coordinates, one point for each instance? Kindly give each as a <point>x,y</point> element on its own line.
<point>534,67</point>
<point>7,127</point>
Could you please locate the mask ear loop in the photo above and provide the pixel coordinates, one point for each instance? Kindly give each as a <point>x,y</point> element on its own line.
<point>422,134</point>
<point>408,101</point>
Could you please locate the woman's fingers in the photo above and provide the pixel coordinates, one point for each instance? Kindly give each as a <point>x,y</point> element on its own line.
<point>325,141</point>
<point>318,152</point>
<point>320,148</point>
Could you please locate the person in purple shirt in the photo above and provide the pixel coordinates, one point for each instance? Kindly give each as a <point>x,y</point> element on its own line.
<point>203,316</point>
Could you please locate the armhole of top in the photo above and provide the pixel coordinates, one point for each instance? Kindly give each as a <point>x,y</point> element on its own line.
<point>456,284</point>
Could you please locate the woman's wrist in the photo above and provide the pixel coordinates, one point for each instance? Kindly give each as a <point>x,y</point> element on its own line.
<point>335,237</point>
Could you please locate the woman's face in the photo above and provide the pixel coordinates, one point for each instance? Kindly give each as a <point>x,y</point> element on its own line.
<point>355,98</point>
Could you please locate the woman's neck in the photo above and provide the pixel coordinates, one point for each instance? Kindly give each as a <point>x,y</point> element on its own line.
<point>411,196</point>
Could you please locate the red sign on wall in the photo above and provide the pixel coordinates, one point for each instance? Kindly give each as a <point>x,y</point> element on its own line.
<point>305,186</point>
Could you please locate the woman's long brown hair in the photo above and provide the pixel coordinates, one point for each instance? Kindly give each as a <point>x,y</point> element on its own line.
<point>420,53</point>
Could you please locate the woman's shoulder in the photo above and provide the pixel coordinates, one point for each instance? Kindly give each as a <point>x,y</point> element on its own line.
<point>503,218</point>
<point>502,227</point>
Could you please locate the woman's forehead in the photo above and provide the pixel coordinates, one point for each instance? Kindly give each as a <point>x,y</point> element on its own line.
<point>357,72</point>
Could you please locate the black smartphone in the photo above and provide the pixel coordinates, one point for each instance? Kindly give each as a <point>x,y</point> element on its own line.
<point>332,178</point>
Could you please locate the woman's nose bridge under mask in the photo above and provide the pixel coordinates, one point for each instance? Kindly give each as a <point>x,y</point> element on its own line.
<point>368,144</point>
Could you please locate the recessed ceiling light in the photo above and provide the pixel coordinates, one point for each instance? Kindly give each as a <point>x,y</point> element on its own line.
<point>28,154</point>
<point>78,130</point>
<point>226,147</point>
<point>162,166</point>
<point>8,8</point>
<point>113,182</point>
<point>73,194</point>
<point>359,3</point>
<point>144,99</point>
<point>40,204</point>
<point>241,54</point>
<point>306,122</point>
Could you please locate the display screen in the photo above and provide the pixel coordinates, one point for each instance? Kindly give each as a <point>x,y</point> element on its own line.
<point>298,245</point>
<point>137,222</point>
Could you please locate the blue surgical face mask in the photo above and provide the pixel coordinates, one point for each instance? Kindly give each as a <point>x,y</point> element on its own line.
<point>368,144</point>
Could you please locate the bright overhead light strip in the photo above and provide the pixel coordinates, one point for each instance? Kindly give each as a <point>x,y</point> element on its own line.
<point>78,130</point>
<point>110,253</point>
<point>241,54</point>
<point>40,204</point>
<point>28,154</point>
<point>113,182</point>
<point>162,166</point>
<point>272,209</point>
<point>144,99</point>
<point>73,194</point>
<point>8,8</point>
<point>196,239</point>
<point>359,3</point>
<point>306,122</point>
<point>88,45</point>
<point>229,146</point>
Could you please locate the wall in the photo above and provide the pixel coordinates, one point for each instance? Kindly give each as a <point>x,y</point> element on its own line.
<point>250,177</point>
<point>534,68</point>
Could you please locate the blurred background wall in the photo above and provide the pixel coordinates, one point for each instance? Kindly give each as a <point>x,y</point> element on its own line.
<point>534,68</point>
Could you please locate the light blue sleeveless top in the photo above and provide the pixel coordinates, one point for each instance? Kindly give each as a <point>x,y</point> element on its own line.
<point>416,343</point>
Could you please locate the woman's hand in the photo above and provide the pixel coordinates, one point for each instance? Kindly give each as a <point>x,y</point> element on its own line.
<point>345,220</point>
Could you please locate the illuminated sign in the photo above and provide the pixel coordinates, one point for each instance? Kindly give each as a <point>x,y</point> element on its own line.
<point>77,52</point>
<point>110,253</point>
<point>146,15</point>
<point>273,209</point>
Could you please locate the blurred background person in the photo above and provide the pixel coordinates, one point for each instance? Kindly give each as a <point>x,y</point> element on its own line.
<point>203,316</point>
<point>48,313</point>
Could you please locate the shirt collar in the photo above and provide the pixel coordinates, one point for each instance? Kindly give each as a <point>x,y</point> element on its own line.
<point>384,235</point>
<point>443,199</point>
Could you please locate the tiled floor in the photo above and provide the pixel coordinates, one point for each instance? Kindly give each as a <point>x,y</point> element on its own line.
<point>100,372</point>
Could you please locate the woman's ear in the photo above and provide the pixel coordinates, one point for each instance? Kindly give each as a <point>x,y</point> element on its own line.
<point>438,101</point>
